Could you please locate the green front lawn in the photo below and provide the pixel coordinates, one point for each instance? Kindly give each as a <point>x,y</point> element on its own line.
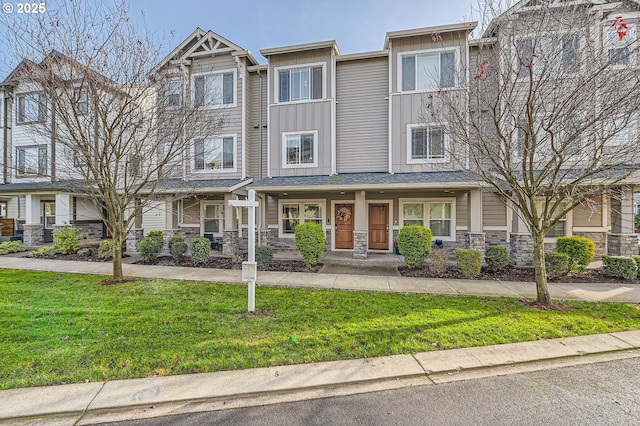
<point>65,328</point>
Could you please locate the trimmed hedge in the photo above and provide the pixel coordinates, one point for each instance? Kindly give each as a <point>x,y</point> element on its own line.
<point>264,257</point>
<point>620,267</point>
<point>85,252</point>
<point>151,246</point>
<point>469,262</point>
<point>310,239</point>
<point>200,250</point>
<point>66,240</point>
<point>177,247</point>
<point>105,250</point>
<point>636,258</point>
<point>12,247</point>
<point>556,264</point>
<point>497,257</point>
<point>581,251</point>
<point>438,261</point>
<point>414,244</point>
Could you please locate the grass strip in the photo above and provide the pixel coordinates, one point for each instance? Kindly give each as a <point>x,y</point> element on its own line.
<point>66,328</point>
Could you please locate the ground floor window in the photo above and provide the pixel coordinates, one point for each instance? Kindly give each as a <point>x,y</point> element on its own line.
<point>560,228</point>
<point>212,218</point>
<point>437,215</point>
<point>295,212</point>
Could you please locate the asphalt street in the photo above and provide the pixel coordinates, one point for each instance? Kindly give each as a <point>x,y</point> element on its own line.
<point>606,393</point>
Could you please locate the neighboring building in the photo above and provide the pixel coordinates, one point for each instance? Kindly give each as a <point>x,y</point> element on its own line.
<point>336,139</point>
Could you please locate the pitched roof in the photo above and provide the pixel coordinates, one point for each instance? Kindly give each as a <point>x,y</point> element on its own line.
<point>203,43</point>
<point>371,180</point>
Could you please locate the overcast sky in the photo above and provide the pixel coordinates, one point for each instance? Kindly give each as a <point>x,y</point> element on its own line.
<point>356,25</point>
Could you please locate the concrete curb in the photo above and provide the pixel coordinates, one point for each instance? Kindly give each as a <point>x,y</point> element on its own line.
<point>89,403</point>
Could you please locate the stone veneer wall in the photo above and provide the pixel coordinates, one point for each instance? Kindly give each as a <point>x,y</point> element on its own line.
<point>623,244</point>
<point>521,249</point>
<point>32,235</point>
<point>360,244</point>
<point>475,241</point>
<point>134,236</point>
<point>600,238</point>
<point>496,238</point>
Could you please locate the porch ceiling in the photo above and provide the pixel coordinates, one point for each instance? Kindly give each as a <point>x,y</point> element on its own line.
<point>372,181</point>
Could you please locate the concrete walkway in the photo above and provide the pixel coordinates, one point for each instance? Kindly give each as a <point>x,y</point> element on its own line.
<point>118,400</point>
<point>615,292</point>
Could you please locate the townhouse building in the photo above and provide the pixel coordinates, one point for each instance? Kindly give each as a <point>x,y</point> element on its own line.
<point>336,139</point>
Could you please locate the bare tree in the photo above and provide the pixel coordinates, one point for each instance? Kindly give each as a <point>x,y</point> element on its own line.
<point>546,111</point>
<point>118,132</point>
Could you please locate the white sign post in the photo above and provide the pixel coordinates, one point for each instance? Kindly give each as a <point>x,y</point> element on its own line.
<point>250,267</point>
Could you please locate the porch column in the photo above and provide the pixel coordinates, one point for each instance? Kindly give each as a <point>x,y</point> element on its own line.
<point>64,209</point>
<point>171,227</point>
<point>622,241</point>
<point>135,234</point>
<point>474,237</point>
<point>520,241</point>
<point>230,235</point>
<point>265,234</point>
<point>360,230</point>
<point>33,230</point>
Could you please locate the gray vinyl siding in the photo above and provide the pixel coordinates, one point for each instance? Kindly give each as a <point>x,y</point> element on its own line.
<point>408,108</point>
<point>305,116</point>
<point>85,210</point>
<point>257,128</point>
<point>583,216</point>
<point>154,217</point>
<point>494,210</point>
<point>362,117</point>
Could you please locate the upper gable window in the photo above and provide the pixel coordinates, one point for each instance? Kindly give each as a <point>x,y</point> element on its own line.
<point>619,47</point>
<point>429,70</point>
<point>30,108</point>
<point>214,89</point>
<point>300,84</point>
<point>548,54</point>
<point>173,93</point>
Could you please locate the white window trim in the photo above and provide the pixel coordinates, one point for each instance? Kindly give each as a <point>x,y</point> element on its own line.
<point>568,224</point>
<point>203,205</point>
<point>456,59</point>
<point>276,93</point>
<point>426,202</point>
<point>235,88</point>
<point>235,156</point>
<point>180,91</point>
<point>284,150</point>
<point>21,174</point>
<point>16,107</point>
<point>409,142</point>
<point>301,203</point>
<point>632,29</point>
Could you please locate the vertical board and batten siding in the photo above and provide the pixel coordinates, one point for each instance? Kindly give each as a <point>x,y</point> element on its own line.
<point>462,209</point>
<point>154,217</point>
<point>232,116</point>
<point>257,127</point>
<point>409,108</point>
<point>494,210</point>
<point>300,116</point>
<point>362,117</point>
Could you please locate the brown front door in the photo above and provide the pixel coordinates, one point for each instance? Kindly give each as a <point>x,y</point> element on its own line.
<point>344,226</point>
<point>379,226</point>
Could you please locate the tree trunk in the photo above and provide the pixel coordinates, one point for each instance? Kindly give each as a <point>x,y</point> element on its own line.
<point>540,269</point>
<point>117,254</point>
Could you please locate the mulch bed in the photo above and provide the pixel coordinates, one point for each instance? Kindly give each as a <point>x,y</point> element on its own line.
<point>228,263</point>
<point>515,274</point>
<point>74,256</point>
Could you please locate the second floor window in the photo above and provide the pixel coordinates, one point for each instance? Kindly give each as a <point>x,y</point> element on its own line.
<point>216,89</point>
<point>428,71</point>
<point>173,93</point>
<point>300,149</point>
<point>300,84</point>
<point>620,50</point>
<point>214,154</point>
<point>426,143</point>
<point>32,160</point>
<point>548,55</point>
<point>30,108</point>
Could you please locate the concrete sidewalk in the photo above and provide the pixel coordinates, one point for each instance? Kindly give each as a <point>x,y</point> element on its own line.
<point>611,292</point>
<point>90,403</point>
